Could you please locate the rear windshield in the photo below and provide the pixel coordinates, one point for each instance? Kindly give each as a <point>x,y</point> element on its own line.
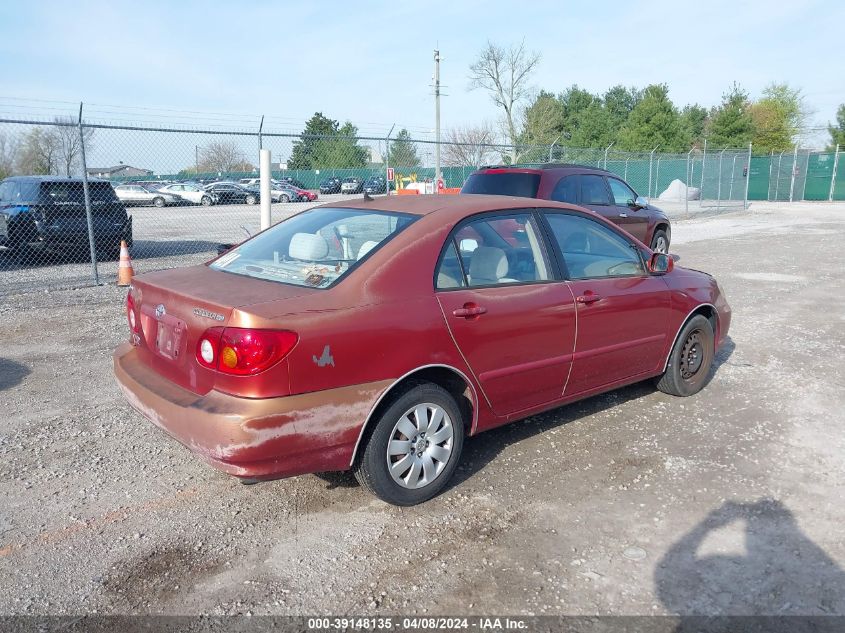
<point>316,248</point>
<point>503,184</point>
<point>72,192</point>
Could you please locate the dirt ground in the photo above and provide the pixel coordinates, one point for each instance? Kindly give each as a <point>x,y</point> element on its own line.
<point>634,502</point>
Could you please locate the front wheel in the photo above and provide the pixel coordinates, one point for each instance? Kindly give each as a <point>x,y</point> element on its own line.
<point>690,360</point>
<point>206,201</point>
<point>284,198</point>
<point>414,448</point>
<point>251,199</point>
<point>159,202</point>
<point>660,242</point>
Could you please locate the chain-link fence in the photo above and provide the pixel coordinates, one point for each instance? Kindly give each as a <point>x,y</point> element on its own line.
<point>73,190</point>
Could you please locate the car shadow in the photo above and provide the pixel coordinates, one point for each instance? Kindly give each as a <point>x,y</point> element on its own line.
<point>485,447</point>
<point>760,564</point>
<point>149,249</point>
<point>11,373</point>
<point>141,249</point>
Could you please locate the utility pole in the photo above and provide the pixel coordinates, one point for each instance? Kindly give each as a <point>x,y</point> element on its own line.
<point>437,174</point>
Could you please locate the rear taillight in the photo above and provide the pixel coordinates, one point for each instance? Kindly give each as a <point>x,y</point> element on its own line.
<point>243,351</point>
<point>131,315</point>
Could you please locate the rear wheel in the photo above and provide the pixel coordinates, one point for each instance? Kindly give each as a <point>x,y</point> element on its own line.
<point>284,198</point>
<point>251,199</point>
<point>414,448</point>
<point>206,201</point>
<point>660,242</point>
<point>690,360</point>
<point>158,201</point>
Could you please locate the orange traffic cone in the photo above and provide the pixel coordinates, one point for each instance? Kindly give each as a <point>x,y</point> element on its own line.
<point>124,268</point>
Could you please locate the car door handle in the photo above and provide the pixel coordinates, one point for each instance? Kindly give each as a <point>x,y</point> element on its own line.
<point>469,311</point>
<point>587,299</point>
<point>623,215</point>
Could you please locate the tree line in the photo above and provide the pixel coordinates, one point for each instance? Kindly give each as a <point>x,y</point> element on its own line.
<point>630,118</point>
<point>56,150</point>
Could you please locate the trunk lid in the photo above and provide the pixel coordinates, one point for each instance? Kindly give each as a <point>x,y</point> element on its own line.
<point>177,306</point>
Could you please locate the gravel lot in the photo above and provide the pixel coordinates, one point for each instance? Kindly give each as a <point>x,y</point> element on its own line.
<point>634,502</point>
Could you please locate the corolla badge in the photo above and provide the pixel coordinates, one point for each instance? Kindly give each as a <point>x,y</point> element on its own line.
<point>160,311</point>
<point>200,312</point>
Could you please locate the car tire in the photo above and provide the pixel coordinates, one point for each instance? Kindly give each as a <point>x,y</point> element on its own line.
<point>690,359</point>
<point>158,201</point>
<point>251,199</point>
<point>401,428</point>
<point>660,242</point>
<point>206,201</point>
<point>284,199</point>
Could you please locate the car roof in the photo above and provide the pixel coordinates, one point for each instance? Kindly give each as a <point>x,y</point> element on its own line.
<point>452,207</point>
<point>54,179</point>
<point>540,167</point>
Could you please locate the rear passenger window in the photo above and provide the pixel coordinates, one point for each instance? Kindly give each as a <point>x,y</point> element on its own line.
<point>503,249</point>
<point>593,190</point>
<point>449,273</point>
<point>566,190</point>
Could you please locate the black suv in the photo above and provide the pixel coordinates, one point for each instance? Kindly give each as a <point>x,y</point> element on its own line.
<point>48,212</point>
<point>598,190</point>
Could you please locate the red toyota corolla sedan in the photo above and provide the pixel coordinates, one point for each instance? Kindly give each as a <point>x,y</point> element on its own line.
<point>374,335</point>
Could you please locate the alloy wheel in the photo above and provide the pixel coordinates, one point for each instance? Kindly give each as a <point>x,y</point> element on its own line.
<point>420,446</point>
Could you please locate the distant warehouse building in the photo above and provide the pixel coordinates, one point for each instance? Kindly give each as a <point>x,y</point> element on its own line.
<point>118,171</point>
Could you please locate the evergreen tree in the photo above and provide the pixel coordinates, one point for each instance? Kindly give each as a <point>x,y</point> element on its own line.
<point>731,124</point>
<point>653,122</point>
<point>693,122</point>
<point>325,144</point>
<point>403,152</point>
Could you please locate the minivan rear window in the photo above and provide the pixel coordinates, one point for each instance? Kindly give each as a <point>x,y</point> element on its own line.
<point>72,192</point>
<point>507,183</point>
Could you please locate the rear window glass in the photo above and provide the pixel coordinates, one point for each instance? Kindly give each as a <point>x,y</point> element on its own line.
<point>73,193</point>
<point>316,248</point>
<point>503,184</point>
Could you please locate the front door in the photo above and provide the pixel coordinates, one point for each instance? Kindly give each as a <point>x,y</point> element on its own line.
<point>623,311</point>
<point>513,323</point>
<point>630,217</point>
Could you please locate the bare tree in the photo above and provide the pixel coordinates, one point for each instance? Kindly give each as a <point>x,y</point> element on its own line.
<point>8,155</point>
<point>222,156</point>
<point>69,145</point>
<point>38,152</point>
<point>504,73</point>
<point>468,146</point>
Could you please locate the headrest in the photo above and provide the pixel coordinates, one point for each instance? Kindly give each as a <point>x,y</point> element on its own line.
<point>489,264</point>
<point>308,246</point>
<point>366,247</point>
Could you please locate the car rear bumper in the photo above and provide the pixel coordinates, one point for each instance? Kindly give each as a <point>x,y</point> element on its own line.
<point>253,438</point>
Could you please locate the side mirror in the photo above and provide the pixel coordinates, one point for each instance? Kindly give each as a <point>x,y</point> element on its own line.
<point>639,203</point>
<point>660,263</point>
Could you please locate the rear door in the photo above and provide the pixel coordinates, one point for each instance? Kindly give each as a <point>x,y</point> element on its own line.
<point>512,321</point>
<point>623,311</point>
<point>596,197</point>
<point>629,216</point>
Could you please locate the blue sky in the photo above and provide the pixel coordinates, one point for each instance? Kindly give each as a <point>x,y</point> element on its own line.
<point>224,63</point>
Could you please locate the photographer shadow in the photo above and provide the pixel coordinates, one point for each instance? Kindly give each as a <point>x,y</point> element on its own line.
<point>778,575</point>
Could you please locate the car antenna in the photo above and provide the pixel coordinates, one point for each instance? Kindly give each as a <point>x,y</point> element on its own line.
<point>367,196</point>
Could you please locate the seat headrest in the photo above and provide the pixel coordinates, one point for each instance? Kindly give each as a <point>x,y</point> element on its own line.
<point>308,246</point>
<point>366,247</point>
<point>489,264</point>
